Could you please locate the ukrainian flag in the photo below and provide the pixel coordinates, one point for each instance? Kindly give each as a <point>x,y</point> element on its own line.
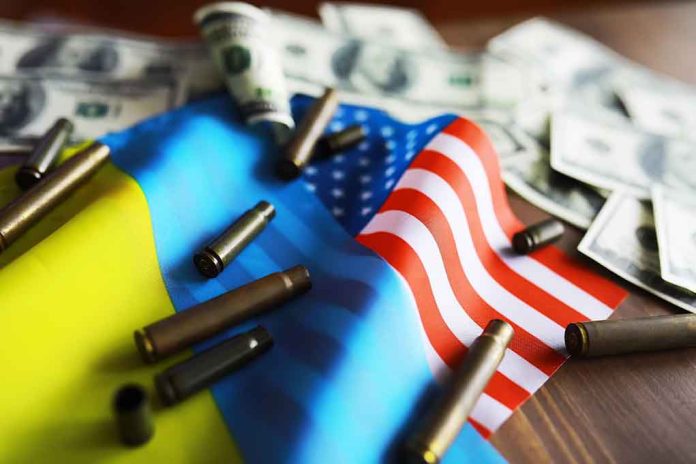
<point>348,363</point>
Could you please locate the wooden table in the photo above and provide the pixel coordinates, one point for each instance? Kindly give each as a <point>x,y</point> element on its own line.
<point>632,408</point>
<point>638,408</point>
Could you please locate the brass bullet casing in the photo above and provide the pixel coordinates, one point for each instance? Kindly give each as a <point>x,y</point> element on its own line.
<point>133,414</point>
<point>181,330</point>
<point>443,421</point>
<point>340,141</point>
<point>212,259</point>
<point>32,205</point>
<point>301,147</point>
<point>603,338</point>
<point>537,235</point>
<point>203,369</point>
<point>44,154</point>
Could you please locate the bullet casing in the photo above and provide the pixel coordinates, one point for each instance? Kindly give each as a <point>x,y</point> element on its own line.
<point>185,328</point>
<point>32,205</point>
<point>537,235</point>
<point>212,260</point>
<point>133,414</point>
<point>602,338</point>
<point>203,369</point>
<point>44,154</point>
<point>443,421</point>
<point>340,141</point>
<point>301,147</point>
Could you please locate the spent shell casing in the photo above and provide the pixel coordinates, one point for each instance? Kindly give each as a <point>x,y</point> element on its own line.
<point>44,154</point>
<point>133,414</point>
<point>340,141</point>
<point>301,146</point>
<point>537,235</point>
<point>203,369</point>
<point>603,338</point>
<point>213,258</point>
<point>443,421</point>
<point>35,203</point>
<point>181,330</point>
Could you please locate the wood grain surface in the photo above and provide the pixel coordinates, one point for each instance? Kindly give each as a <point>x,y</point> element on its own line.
<point>626,409</point>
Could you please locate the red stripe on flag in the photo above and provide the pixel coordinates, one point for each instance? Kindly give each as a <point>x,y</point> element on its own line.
<point>525,344</point>
<point>601,288</point>
<point>485,433</point>
<point>404,259</point>
<point>525,290</point>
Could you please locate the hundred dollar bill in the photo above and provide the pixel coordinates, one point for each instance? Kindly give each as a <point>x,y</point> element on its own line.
<point>562,55</point>
<point>313,55</point>
<point>577,71</point>
<point>675,217</point>
<point>29,105</point>
<point>86,53</point>
<point>661,106</point>
<point>239,36</point>
<point>623,240</point>
<point>509,141</point>
<point>401,27</point>
<point>530,176</point>
<point>620,156</point>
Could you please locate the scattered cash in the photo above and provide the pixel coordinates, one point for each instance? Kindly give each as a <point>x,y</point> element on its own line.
<point>317,57</point>
<point>577,71</point>
<point>240,40</point>
<point>620,156</point>
<point>531,176</point>
<point>662,107</point>
<point>559,54</point>
<point>509,141</point>
<point>571,119</point>
<point>675,219</point>
<point>622,238</point>
<point>617,126</point>
<point>80,54</point>
<point>28,105</point>
<point>401,27</point>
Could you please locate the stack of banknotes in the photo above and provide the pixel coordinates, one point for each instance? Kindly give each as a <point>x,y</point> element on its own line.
<point>582,132</point>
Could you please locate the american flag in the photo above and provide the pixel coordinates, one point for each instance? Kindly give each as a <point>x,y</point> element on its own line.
<point>445,226</point>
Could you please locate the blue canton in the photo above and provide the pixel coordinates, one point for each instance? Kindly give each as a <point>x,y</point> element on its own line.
<point>353,185</point>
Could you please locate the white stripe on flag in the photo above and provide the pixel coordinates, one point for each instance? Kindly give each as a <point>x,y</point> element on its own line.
<point>413,232</point>
<point>417,235</point>
<point>513,366</point>
<point>489,412</point>
<point>439,369</point>
<point>469,163</point>
<point>443,195</point>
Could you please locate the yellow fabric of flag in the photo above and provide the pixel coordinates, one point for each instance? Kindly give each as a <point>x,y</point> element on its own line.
<point>68,307</point>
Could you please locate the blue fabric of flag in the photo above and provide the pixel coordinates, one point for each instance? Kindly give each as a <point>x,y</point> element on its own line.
<point>348,364</point>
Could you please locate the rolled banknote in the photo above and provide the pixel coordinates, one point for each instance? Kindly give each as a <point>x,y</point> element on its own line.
<point>240,40</point>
